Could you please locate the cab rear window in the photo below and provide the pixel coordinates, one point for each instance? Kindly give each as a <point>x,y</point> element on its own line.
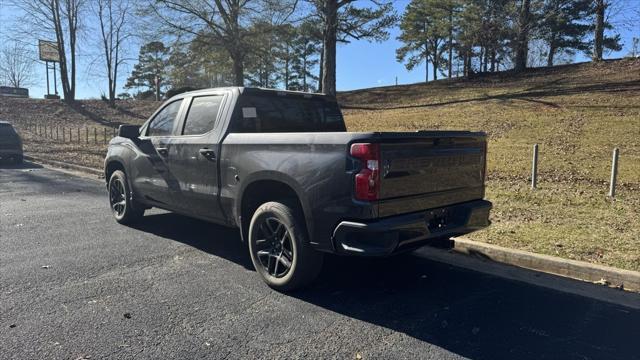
<point>267,113</point>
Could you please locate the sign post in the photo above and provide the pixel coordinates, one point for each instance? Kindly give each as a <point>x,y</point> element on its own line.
<point>48,51</point>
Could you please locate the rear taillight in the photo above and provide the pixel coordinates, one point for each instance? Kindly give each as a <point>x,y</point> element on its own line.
<point>367,181</point>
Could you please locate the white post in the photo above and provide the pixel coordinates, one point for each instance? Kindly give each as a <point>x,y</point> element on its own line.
<point>614,172</point>
<point>534,167</point>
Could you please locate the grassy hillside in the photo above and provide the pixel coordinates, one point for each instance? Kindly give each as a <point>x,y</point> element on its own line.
<point>577,113</point>
<point>32,116</point>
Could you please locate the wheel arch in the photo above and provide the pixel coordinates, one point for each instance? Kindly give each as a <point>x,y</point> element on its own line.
<point>263,189</point>
<point>111,166</point>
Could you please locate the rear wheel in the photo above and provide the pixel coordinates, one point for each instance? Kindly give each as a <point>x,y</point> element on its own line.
<point>279,247</point>
<point>123,208</point>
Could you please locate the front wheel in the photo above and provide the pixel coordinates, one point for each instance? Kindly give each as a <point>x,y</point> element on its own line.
<point>279,247</point>
<point>123,208</point>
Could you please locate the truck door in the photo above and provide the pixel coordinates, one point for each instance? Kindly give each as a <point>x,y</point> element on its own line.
<point>193,157</point>
<point>151,175</point>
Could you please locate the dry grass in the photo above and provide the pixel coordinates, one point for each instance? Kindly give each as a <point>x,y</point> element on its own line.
<point>33,116</point>
<point>577,114</point>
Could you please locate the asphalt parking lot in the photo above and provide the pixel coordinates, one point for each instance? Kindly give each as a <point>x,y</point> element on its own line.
<point>74,284</point>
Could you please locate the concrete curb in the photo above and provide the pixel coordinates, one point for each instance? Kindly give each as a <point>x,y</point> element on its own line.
<point>536,278</point>
<point>65,165</point>
<point>580,270</point>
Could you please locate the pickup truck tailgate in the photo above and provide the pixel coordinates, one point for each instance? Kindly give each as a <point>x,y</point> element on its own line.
<point>430,171</point>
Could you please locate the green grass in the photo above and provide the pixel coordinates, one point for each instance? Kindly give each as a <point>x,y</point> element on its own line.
<point>577,114</point>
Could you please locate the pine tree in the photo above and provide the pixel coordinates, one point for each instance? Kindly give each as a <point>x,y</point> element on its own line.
<point>305,51</point>
<point>150,71</point>
<point>424,33</point>
<point>343,20</point>
<point>564,27</point>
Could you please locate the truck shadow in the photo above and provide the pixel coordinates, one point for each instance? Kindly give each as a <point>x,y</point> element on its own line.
<point>4,164</point>
<point>472,314</point>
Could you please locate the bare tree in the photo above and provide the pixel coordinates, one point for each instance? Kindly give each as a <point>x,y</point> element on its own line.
<point>113,17</point>
<point>16,65</point>
<point>61,18</point>
<point>224,23</point>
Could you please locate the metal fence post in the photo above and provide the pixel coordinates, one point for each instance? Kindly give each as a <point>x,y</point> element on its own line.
<point>86,132</point>
<point>78,135</point>
<point>63,134</point>
<point>614,173</point>
<point>534,167</point>
<point>95,135</point>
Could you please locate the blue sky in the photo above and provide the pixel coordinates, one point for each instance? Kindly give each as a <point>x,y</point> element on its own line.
<point>361,64</point>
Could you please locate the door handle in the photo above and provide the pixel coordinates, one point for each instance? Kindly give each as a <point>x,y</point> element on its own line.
<point>208,153</point>
<point>162,151</point>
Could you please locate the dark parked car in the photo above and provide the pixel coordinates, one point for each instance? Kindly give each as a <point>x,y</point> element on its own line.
<point>281,167</point>
<point>10,144</point>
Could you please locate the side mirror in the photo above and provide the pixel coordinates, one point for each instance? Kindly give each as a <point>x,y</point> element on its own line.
<point>129,131</point>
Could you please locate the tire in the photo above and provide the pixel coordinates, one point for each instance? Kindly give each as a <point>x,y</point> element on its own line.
<point>124,209</point>
<point>267,228</point>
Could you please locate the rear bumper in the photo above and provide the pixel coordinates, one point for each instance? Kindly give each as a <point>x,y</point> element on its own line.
<point>397,233</point>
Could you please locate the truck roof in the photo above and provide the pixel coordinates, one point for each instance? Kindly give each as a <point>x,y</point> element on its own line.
<point>253,90</point>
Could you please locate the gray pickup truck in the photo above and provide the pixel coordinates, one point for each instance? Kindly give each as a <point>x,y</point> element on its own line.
<point>281,167</point>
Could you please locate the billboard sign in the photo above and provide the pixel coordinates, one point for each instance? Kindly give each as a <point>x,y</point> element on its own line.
<point>48,51</point>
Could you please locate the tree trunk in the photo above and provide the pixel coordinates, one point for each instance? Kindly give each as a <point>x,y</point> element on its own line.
<point>426,62</point>
<point>157,88</point>
<point>600,8</point>
<point>435,69</point>
<point>450,41</point>
<point>493,60</point>
<point>552,53</point>
<point>522,42</point>
<point>286,74</point>
<point>465,69</point>
<point>486,60</point>
<point>426,69</point>
<point>238,70</point>
<point>329,45</point>
<point>112,89</point>
<point>304,74</point>
<point>64,78</point>
<point>321,70</point>
<point>72,49</point>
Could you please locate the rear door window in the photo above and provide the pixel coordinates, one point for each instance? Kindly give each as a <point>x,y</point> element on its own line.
<point>202,115</point>
<point>162,123</point>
